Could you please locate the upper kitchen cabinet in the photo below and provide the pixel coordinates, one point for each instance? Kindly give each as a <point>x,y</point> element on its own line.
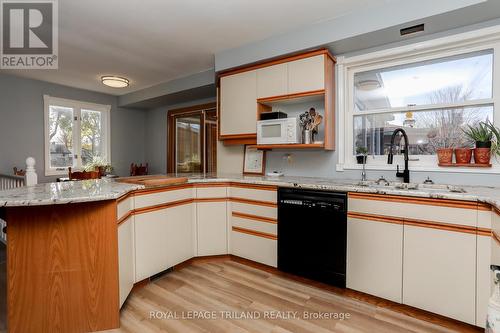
<point>305,75</point>
<point>238,106</point>
<point>245,93</point>
<point>272,81</point>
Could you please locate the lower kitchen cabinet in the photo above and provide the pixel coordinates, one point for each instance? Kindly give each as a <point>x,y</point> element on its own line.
<point>126,257</point>
<point>375,258</point>
<point>256,248</point>
<point>211,226</point>
<point>163,238</point>
<point>150,243</point>
<point>439,272</point>
<point>179,234</point>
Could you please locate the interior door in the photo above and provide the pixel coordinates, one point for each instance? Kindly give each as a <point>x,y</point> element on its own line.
<point>192,139</point>
<point>189,143</point>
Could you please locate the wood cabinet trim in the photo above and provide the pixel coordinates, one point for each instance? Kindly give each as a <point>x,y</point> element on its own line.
<point>125,217</point>
<point>162,206</point>
<point>256,186</point>
<point>415,222</point>
<point>254,233</point>
<point>270,99</point>
<point>496,210</point>
<point>484,232</point>
<point>224,199</point>
<point>415,200</point>
<point>277,61</point>
<point>163,189</point>
<point>254,217</point>
<point>373,217</point>
<point>495,236</point>
<point>254,202</point>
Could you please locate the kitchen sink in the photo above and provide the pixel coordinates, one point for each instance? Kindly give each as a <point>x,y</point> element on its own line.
<point>412,186</point>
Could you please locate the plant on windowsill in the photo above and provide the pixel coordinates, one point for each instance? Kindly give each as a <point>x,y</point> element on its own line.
<point>361,154</point>
<point>487,139</point>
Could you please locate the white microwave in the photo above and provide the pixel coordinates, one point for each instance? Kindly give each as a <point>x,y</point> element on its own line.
<point>278,131</point>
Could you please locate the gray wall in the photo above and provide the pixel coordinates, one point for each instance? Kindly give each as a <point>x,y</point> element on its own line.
<point>22,127</point>
<point>156,134</point>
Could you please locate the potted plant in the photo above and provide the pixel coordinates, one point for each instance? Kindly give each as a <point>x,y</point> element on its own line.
<point>361,153</point>
<point>98,164</point>
<point>463,155</point>
<point>445,155</point>
<point>483,135</point>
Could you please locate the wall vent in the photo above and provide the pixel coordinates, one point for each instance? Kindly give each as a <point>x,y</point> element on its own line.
<point>412,30</point>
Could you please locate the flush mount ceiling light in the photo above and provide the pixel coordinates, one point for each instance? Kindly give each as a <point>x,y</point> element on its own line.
<point>115,81</point>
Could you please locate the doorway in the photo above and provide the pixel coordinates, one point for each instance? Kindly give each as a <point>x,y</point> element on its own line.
<point>192,139</point>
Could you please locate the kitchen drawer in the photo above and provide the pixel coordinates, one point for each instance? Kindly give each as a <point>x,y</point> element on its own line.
<point>211,192</point>
<point>255,224</point>
<point>256,248</point>
<point>158,198</point>
<point>257,210</point>
<point>394,206</point>
<point>266,195</point>
<point>124,206</point>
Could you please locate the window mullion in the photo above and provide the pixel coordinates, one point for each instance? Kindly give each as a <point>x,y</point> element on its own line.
<point>76,137</point>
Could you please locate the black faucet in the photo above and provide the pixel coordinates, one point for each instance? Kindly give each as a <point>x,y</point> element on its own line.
<point>406,173</point>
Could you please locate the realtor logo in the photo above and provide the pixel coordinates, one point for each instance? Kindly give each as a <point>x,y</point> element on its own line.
<point>29,34</point>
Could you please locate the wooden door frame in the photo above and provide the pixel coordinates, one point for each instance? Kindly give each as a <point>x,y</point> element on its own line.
<point>171,115</point>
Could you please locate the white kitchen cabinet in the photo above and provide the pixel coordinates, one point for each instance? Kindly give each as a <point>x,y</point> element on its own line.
<point>375,258</point>
<point>272,81</point>
<point>151,249</point>
<point>179,234</point>
<point>307,74</point>
<point>256,248</point>
<point>126,257</point>
<point>439,272</point>
<point>211,228</point>
<point>238,104</point>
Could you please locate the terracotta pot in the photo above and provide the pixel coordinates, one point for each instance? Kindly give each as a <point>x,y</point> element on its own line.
<point>482,155</point>
<point>463,155</point>
<point>445,155</point>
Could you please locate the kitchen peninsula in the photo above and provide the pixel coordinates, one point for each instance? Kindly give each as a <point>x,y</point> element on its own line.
<point>76,249</point>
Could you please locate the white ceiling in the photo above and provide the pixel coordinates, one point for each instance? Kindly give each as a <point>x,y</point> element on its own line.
<point>154,41</point>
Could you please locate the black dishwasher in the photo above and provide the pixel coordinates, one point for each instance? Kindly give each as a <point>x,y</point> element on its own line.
<point>312,234</point>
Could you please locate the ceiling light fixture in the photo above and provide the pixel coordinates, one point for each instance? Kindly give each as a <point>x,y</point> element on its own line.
<point>115,81</point>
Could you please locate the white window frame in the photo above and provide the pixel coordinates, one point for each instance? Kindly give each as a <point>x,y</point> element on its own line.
<point>488,38</point>
<point>77,107</point>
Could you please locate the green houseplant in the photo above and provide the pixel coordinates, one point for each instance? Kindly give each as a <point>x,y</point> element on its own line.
<point>361,153</point>
<point>486,137</point>
<point>98,164</point>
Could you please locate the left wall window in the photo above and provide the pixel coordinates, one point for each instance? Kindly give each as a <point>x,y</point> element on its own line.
<point>76,133</point>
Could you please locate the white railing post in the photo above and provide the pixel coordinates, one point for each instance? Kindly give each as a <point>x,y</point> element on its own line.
<point>31,178</point>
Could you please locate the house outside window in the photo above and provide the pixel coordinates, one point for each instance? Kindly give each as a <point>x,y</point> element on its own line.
<point>76,133</point>
<point>433,91</point>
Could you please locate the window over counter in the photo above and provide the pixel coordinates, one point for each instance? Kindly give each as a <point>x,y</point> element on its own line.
<point>76,133</point>
<point>433,90</point>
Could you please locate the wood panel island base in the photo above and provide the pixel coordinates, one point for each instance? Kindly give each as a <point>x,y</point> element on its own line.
<point>62,268</point>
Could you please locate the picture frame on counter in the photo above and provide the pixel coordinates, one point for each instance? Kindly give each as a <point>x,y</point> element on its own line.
<point>254,161</point>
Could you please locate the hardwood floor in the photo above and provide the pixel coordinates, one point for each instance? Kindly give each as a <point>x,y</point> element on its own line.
<point>224,291</point>
<point>3,288</point>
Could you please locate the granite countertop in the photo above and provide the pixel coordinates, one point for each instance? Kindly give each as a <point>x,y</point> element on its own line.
<point>65,192</point>
<point>107,189</point>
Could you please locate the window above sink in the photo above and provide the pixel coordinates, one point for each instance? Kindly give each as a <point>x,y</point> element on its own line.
<point>433,90</point>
